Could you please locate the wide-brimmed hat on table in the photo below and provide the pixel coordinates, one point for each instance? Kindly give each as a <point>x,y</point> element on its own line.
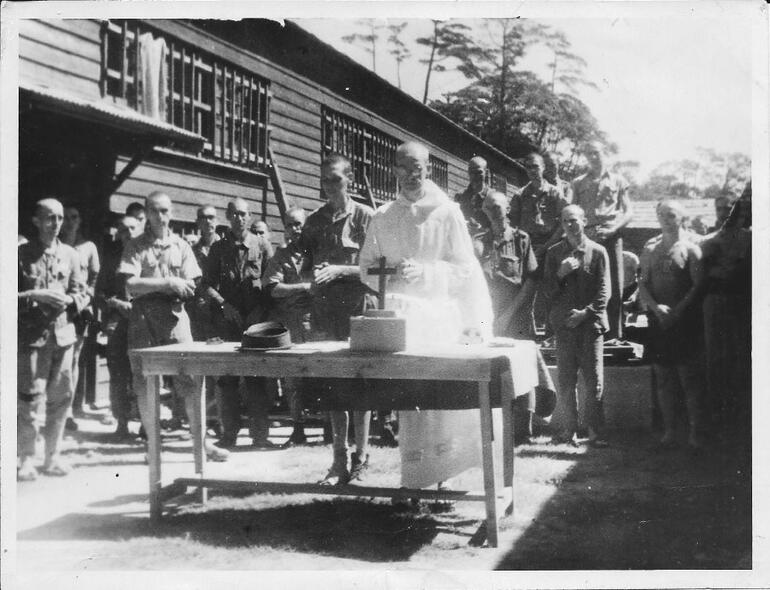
<point>266,336</point>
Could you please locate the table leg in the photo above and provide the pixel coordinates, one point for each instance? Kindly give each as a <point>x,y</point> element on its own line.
<point>153,445</point>
<point>488,462</point>
<point>198,433</point>
<point>506,401</point>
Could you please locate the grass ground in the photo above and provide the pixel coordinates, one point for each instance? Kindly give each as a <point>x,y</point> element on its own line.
<point>626,507</point>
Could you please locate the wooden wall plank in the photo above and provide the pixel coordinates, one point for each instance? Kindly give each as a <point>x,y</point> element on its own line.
<point>47,75</point>
<point>84,28</point>
<point>60,40</point>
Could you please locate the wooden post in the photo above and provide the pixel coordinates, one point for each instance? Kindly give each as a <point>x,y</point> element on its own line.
<point>369,193</point>
<point>277,182</point>
<point>153,383</point>
<point>198,432</point>
<point>488,462</point>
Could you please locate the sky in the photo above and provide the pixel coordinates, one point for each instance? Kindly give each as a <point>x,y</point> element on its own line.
<point>666,85</point>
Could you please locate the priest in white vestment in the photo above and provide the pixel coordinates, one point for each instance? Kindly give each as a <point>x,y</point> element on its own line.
<point>440,288</point>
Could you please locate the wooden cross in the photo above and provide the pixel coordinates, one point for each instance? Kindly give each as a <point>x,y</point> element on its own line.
<point>382,271</point>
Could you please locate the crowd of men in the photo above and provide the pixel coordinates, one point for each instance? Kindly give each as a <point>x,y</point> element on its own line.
<point>550,256</point>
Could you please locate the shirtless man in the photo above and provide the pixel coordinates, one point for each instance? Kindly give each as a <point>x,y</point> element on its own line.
<point>670,268</point>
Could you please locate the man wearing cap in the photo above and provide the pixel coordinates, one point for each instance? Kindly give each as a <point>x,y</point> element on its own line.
<point>233,280</point>
<point>603,196</point>
<point>471,201</point>
<point>160,273</point>
<point>51,291</point>
<point>332,239</point>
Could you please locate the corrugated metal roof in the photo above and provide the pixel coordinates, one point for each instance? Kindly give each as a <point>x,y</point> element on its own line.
<point>110,114</point>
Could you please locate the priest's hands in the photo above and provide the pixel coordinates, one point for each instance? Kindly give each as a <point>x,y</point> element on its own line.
<point>410,270</point>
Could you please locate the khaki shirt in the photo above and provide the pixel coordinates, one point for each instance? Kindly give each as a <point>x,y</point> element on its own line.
<point>158,318</point>
<point>600,198</point>
<point>537,211</point>
<point>233,271</point>
<point>58,270</point>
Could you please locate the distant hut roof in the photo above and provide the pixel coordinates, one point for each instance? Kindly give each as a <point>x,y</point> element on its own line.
<point>645,217</point>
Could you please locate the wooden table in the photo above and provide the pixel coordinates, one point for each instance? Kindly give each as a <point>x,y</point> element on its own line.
<point>472,376</point>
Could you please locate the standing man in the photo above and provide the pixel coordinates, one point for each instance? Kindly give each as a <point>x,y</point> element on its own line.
<point>51,291</point>
<point>471,201</point>
<point>332,239</point>
<point>116,308</point>
<point>199,308</point>
<point>233,281</point>
<point>604,198</point>
<point>72,235</point>
<point>722,206</point>
<point>551,174</point>
<point>727,319</point>
<point>260,228</point>
<point>288,280</point>
<point>576,287</point>
<point>670,272</point>
<point>161,272</point>
<point>508,267</point>
<point>137,211</point>
<point>440,289</point>
<point>536,210</point>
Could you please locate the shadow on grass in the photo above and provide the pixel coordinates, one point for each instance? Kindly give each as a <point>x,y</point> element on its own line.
<point>631,508</point>
<point>366,531</point>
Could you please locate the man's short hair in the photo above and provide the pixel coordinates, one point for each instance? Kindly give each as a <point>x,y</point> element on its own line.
<point>47,203</point>
<point>477,162</point>
<point>671,204</point>
<point>134,209</point>
<point>418,149</point>
<point>199,214</point>
<point>573,207</point>
<point>295,209</point>
<point>334,158</point>
<point>495,201</point>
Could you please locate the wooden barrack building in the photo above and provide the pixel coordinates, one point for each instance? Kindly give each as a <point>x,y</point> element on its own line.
<point>211,110</point>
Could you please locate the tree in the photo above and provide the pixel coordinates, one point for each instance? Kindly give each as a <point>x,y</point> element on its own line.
<point>398,49</point>
<point>450,42</point>
<point>366,40</point>
<point>516,110</point>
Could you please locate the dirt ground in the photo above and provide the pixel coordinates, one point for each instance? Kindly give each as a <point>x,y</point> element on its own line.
<point>627,507</point>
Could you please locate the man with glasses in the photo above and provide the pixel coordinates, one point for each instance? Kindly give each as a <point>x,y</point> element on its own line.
<point>440,288</point>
